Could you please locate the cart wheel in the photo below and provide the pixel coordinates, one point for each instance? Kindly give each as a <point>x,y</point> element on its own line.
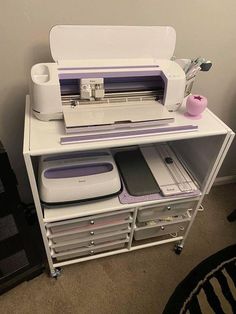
<point>56,273</point>
<point>178,249</point>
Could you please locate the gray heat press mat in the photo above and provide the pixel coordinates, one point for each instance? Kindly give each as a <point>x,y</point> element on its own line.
<point>137,176</point>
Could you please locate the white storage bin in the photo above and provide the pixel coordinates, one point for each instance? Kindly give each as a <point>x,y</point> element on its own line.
<point>164,210</point>
<point>91,221</point>
<point>89,243</point>
<point>89,252</point>
<point>153,229</point>
<point>82,234</point>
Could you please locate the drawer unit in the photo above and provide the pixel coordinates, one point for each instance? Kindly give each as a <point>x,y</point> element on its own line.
<point>153,229</point>
<point>89,242</point>
<point>89,251</point>
<point>87,222</point>
<point>89,232</point>
<point>164,210</point>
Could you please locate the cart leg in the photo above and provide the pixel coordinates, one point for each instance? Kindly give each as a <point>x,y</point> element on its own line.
<point>179,247</point>
<point>56,273</point>
<point>39,211</point>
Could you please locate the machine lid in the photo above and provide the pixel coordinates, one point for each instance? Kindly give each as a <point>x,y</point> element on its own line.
<point>97,42</point>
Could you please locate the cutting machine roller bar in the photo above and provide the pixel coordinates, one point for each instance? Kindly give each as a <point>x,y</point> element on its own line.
<point>74,99</point>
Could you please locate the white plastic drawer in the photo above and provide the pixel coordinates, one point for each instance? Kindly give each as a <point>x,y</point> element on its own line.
<point>87,222</point>
<point>155,230</point>
<point>89,243</point>
<point>89,251</point>
<point>165,210</point>
<point>82,234</point>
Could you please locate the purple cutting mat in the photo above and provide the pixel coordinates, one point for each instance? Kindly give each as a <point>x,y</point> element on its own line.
<point>126,198</point>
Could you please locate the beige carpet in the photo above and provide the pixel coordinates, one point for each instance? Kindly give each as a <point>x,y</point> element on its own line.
<point>137,282</point>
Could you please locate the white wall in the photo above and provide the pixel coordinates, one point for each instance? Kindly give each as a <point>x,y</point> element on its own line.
<point>204,28</point>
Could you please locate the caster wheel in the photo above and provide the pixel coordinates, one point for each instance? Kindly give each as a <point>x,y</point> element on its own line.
<point>178,249</point>
<point>56,273</point>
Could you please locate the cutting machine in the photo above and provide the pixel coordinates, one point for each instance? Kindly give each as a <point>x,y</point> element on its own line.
<point>109,76</point>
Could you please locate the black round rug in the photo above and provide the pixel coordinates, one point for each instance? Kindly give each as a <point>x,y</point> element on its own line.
<point>209,288</point>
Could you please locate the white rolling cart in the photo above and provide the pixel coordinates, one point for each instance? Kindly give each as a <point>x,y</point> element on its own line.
<point>105,227</point>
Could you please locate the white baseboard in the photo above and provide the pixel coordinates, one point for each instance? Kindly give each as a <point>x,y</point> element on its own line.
<point>225,180</point>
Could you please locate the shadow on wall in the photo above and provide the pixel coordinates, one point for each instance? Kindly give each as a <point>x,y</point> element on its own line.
<point>222,98</point>
<point>39,53</point>
<point>12,116</point>
<point>229,165</point>
<point>231,116</point>
<point>12,123</point>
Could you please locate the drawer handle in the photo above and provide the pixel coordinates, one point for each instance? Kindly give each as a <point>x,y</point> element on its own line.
<point>162,228</point>
<point>91,242</point>
<point>91,222</point>
<point>91,252</point>
<point>91,232</point>
<point>168,207</point>
<point>181,228</point>
<point>174,235</point>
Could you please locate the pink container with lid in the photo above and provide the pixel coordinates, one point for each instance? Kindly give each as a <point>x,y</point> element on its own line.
<point>195,105</point>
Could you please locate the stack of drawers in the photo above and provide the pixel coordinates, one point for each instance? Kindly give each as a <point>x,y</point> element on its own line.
<point>161,220</point>
<point>91,235</point>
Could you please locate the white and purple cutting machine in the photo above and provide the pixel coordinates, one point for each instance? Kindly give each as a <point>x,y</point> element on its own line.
<point>107,77</point>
